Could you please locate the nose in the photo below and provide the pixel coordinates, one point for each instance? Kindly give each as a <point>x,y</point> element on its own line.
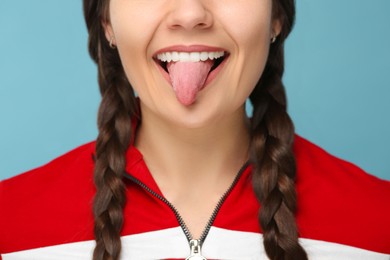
<point>189,15</point>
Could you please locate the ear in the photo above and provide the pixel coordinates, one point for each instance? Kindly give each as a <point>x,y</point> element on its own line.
<point>108,31</point>
<point>276,27</point>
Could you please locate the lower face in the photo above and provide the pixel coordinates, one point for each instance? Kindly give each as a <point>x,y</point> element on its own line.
<point>148,33</point>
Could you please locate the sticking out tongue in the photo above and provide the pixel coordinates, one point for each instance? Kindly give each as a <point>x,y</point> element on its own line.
<point>188,79</point>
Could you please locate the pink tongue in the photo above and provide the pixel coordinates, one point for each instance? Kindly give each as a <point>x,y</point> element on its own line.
<point>188,78</point>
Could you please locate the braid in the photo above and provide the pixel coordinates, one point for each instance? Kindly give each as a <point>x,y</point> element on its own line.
<point>271,153</point>
<point>114,123</point>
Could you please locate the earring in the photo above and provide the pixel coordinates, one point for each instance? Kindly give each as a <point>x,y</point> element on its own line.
<point>273,39</point>
<point>111,43</point>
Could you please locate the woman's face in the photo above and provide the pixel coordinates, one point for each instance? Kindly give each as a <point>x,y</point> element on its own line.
<point>192,62</point>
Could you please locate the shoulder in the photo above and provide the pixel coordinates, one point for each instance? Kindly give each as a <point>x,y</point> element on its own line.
<point>339,202</point>
<point>315,162</point>
<point>75,159</point>
<point>51,196</point>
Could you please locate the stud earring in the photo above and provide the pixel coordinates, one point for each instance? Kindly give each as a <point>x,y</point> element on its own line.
<point>111,43</point>
<point>273,39</point>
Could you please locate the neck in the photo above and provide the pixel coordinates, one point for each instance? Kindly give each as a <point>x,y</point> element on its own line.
<point>183,155</point>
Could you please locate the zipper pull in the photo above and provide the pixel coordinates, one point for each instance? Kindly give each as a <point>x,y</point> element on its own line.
<point>195,251</point>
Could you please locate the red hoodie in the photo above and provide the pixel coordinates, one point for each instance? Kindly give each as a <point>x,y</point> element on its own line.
<point>46,213</point>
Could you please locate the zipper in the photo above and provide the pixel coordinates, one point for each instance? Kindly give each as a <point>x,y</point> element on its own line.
<point>196,251</point>
<point>195,244</point>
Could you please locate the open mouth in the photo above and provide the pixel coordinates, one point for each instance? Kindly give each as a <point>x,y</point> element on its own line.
<point>217,58</point>
<point>190,72</point>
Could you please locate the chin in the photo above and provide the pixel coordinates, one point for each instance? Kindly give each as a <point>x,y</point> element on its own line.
<point>193,120</point>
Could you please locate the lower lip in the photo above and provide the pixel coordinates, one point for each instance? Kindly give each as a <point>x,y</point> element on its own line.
<point>212,75</point>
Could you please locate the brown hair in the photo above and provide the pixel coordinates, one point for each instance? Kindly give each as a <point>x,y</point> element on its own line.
<point>116,109</point>
<point>272,135</point>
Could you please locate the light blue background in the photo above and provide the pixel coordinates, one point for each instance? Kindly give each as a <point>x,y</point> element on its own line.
<point>337,78</point>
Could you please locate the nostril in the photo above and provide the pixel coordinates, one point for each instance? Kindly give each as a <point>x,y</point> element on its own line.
<point>189,16</point>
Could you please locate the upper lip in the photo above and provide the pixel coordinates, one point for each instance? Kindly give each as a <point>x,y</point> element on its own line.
<point>190,48</point>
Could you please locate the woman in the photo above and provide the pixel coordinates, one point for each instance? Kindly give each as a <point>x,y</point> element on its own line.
<point>181,172</point>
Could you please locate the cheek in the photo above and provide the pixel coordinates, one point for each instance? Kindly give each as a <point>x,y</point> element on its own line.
<point>247,21</point>
<point>249,25</point>
<point>134,23</point>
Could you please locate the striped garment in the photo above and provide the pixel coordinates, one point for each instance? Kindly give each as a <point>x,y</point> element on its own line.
<point>343,213</point>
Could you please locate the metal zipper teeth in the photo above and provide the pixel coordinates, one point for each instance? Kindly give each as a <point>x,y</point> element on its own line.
<point>220,203</point>
<point>178,217</point>
<point>177,214</point>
